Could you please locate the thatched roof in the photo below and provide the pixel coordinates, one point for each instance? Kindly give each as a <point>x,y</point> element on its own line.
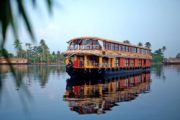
<point>107,40</point>
<point>107,53</point>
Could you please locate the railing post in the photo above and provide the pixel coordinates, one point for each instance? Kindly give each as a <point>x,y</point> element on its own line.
<point>100,89</point>
<point>85,61</point>
<point>113,62</point>
<point>109,62</point>
<point>66,60</point>
<point>100,61</point>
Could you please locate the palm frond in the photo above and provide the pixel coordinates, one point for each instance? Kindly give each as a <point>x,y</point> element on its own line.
<point>25,18</point>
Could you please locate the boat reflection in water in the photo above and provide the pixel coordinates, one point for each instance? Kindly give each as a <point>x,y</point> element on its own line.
<point>97,96</point>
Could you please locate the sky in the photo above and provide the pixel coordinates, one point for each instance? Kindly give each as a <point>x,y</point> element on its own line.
<point>154,21</point>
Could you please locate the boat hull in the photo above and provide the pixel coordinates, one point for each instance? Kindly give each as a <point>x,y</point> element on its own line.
<point>80,72</point>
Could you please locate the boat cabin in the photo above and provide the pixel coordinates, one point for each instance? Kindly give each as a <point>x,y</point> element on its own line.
<point>97,53</point>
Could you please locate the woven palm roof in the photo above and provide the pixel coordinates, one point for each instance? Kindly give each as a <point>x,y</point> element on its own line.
<point>107,40</point>
<point>108,53</point>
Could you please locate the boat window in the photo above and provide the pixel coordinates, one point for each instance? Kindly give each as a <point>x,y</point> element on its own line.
<point>123,48</point>
<point>116,47</point>
<point>109,46</point>
<point>120,47</point>
<point>130,49</point>
<point>112,46</point>
<point>126,49</point>
<point>78,41</point>
<point>135,50</point>
<point>95,42</point>
<point>87,42</point>
<point>106,45</point>
<point>73,46</point>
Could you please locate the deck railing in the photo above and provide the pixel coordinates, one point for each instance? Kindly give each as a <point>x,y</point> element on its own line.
<point>84,47</point>
<point>96,65</point>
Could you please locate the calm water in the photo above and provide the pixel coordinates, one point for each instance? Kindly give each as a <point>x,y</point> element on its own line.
<point>47,92</point>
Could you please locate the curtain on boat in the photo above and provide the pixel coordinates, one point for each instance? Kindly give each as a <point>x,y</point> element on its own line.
<point>101,44</point>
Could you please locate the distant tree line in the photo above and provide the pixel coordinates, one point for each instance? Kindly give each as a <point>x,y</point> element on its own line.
<point>147,44</point>
<point>42,54</point>
<point>4,51</point>
<point>35,54</point>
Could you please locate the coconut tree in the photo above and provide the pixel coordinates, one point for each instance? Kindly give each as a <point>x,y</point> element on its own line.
<point>28,49</point>
<point>126,41</point>
<point>140,44</point>
<point>18,46</point>
<point>53,56</point>
<point>148,44</point>
<point>36,51</point>
<point>45,50</point>
<point>163,48</point>
<point>9,9</point>
<point>58,56</point>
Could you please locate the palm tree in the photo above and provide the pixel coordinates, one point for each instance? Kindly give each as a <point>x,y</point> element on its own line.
<point>126,41</point>
<point>140,44</point>
<point>28,49</point>
<point>148,44</point>
<point>163,48</point>
<point>58,56</point>
<point>36,53</point>
<point>9,9</point>
<point>42,42</point>
<point>53,56</point>
<point>17,45</point>
<point>45,50</point>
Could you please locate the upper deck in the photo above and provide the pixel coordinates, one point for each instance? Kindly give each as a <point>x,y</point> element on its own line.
<point>105,47</point>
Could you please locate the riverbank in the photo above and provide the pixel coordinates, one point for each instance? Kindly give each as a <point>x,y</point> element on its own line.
<point>171,61</point>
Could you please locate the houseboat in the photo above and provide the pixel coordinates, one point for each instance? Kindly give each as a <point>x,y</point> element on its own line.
<point>97,56</point>
<point>99,95</point>
<point>13,61</point>
<point>170,61</point>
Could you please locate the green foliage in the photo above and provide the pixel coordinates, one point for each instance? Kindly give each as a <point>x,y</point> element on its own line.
<point>7,21</point>
<point>40,53</point>
<point>7,17</point>
<point>158,56</point>
<point>4,51</point>
<point>148,44</point>
<point>126,41</point>
<point>140,44</point>
<point>35,54</point>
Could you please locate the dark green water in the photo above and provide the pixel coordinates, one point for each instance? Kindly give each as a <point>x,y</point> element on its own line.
<point>47,92</point>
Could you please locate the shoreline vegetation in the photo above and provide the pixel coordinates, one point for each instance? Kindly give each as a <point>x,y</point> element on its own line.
<point>39,54</point>
<point>158,56</point>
